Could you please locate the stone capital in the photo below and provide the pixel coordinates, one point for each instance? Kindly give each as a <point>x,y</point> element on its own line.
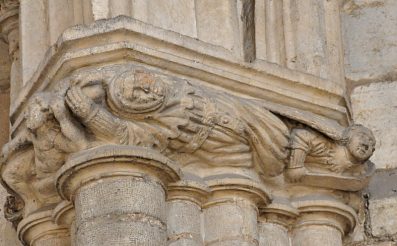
<point>38,228</point>
<point>63,213</point>
<point>279,211</point>
<point>325,211</point>
<point>113,161</point>
<point>188,190</point>
<point>225,190</point>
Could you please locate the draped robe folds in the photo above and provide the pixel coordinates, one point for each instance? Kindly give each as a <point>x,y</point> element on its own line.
<point>212,129</point>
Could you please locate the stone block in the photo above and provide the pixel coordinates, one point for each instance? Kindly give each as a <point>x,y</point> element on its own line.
<point>370,33</point>
<point>382,216</point>
<point>374,105</point>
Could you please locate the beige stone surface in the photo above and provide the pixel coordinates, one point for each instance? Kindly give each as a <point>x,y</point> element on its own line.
<point>34,36</point>
<point>182,120</point>
<point>382,212</point>
<point>375,105</point>
<point>314,235</point>
<point>271,234</point>
<point>370,39</point>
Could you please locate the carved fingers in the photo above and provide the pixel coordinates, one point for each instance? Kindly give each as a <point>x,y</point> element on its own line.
<point>80,104</point>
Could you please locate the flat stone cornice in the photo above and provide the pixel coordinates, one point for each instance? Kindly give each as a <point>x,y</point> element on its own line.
<point>123,39</point>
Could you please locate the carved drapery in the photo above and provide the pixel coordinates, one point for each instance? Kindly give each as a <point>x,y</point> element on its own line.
<point>143,149</point>
<point>127,133</point>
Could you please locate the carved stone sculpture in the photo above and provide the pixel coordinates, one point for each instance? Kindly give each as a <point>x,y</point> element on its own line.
<point>213,134</point>
<point>173,116</point>
<point>52,133</point>
<point>314,149</point>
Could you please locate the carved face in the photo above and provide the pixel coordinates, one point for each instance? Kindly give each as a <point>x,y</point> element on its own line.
<point>361,146</point>
<point>37,114</point>
<point>144,90</point>
<point>137,92</point>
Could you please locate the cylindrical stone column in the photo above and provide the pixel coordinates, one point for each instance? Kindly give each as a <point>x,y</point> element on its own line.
<point>231,213</point>
<point>64,215</point>
<point>185,199</point>
<point>274,223</point>
<point>322,222</point>
<point>119,195</point>
<point>38,229</point>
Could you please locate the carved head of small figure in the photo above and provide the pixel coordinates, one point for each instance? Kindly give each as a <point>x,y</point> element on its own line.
<point>137,91</point>
<point>360,142</point>
<point>38,111</point>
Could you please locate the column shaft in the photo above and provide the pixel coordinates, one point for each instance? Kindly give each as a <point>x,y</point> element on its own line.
<point>231,223</point>
<point>271,234</point>
<point>314,235</point>
<point>184,223</point>
<point>121,211</point>
<point>118,194</point>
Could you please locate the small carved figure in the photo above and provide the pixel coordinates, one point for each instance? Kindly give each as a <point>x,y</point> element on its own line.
<point>53,133</point>
<point>309,147</point>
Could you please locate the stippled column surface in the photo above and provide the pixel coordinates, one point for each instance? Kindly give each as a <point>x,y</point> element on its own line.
<point>184,207</point>
<point>272,234</point>
<point>231,214</point>
<point>119,195</point>
<point>121,211</point>
<point>314,235</point>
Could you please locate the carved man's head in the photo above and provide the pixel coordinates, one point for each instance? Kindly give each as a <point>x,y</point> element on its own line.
<point>137,91</point>
<point>360,142</point>
<point>38,111</point>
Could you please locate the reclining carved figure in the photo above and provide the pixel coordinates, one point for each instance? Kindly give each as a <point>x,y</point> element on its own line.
<point>175,117</point>
<point>213,128</point>
<point>307,146</point>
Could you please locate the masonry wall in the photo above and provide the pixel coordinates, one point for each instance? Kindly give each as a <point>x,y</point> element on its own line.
<point>370,44</point>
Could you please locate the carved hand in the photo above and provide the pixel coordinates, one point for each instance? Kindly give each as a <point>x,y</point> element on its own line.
<point>58,108</point>
<point>295,174</point>
<point>78,102</point>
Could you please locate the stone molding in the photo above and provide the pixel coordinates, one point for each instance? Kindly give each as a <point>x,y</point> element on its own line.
<point>40,226</point>
<point>137,127</point>
<point>317,210</point>
<point>124,111</point>
<point>182,55</point>
<point>112,161</point>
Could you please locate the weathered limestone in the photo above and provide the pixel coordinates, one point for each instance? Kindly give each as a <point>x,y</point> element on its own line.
<point>322,221</point>
<point>127,187</point>
<point>234,200</point>
<point>184,203</point>
<point>189,122</point>
<point>38,229</point>
<point>275,222</point>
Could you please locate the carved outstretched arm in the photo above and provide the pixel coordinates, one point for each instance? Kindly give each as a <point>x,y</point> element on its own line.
<point>74,136</point>
<point>300,139</point>
<point>95,117</point>
<point>296,168</point>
